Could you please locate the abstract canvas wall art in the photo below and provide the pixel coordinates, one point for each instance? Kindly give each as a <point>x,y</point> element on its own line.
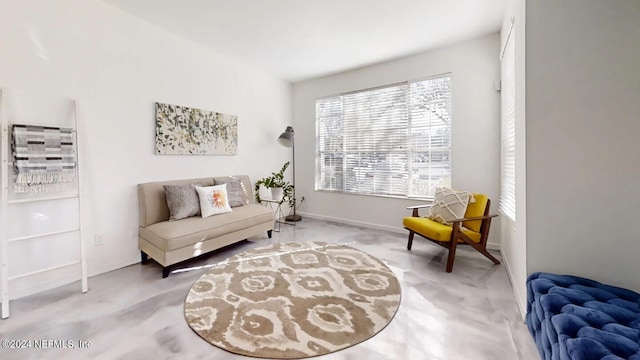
<point>181,130</point>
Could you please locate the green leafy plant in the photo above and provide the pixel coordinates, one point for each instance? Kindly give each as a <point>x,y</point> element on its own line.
<point>276,180</point>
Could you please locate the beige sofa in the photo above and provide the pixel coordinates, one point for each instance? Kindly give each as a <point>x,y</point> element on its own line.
<point>170,242</point>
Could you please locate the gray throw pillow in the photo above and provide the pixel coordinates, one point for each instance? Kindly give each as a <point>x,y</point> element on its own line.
<point>182,201</point>
<point>237,194</point>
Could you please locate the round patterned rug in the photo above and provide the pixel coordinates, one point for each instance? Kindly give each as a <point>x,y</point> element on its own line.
<point>293,300</point>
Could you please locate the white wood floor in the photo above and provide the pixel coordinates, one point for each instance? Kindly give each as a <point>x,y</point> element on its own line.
<point>132,313</point>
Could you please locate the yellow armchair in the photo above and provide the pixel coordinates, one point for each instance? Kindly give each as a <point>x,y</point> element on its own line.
<point>471,230</point>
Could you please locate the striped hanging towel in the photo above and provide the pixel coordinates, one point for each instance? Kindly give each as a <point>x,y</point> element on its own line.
<point>44,158</point>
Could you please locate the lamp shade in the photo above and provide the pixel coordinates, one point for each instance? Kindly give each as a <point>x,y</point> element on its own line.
<point>286,138</point>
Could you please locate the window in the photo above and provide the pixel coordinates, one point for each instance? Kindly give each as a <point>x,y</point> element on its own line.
<point>389,141</point>
<point>507,204</point>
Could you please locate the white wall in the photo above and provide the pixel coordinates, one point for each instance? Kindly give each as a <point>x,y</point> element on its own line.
<point>513,245</point>
<point>117,66</point>
<point>476,129</point>
<point>583,108</point>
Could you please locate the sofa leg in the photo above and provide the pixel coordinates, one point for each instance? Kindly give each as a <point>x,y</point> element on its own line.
<point>269,233</point>
<point>166,271</point>
<point>143,257</point>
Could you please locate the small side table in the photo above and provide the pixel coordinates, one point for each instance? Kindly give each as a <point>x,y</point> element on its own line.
<point>277,214</point>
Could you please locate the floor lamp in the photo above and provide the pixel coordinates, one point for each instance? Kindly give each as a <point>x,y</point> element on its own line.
<point>286,139</point>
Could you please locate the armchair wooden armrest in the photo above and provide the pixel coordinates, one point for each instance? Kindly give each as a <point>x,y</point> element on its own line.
<point>419,206</point>
<point>474,218</point>
<point>416,207</point>
<point>456,223</point>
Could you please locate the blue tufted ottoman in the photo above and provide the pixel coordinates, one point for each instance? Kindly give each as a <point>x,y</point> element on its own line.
<point>573,318</point>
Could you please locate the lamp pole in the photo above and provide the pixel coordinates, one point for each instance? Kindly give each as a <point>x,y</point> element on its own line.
<point>287,138</point>
<point>294,217</point>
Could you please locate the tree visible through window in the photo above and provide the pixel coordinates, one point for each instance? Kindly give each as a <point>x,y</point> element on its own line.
<point>392,141</point>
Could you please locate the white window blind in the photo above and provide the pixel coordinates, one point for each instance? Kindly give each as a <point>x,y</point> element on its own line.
<point>507,203</point>
<point>390,141</point>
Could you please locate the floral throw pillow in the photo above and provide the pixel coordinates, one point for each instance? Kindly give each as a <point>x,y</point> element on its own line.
<point>449,205</point>
<point>213,200</point>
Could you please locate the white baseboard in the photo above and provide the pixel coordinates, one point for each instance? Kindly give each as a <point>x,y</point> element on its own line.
<point>23,287</point>
<point>105,268</point>
<point>520,300</point>
<point>43,282</point>
<point>393,229</point>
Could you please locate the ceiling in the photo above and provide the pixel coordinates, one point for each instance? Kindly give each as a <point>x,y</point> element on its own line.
<point>296,40</point>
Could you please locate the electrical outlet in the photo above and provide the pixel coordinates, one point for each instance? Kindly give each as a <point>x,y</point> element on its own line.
<point>98,240</point>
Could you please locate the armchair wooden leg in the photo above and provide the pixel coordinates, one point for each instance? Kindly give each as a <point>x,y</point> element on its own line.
<point>489,256</point>
<point>452,255</point>
<point>410,242</point>
<point>483,250</point>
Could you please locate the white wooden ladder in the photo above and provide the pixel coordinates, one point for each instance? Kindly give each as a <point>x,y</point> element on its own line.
<point>8,202</point>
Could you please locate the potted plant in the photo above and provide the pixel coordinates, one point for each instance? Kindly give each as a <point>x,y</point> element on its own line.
<point>280,189</point>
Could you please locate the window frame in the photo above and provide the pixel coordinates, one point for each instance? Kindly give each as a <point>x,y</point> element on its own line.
<point>507,204</point>
<point>410,150</point>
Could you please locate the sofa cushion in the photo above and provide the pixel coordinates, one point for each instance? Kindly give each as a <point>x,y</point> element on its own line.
<point>477,206</point>
<point>236,192</point>
<point>437,231</point>
<point>213,200</point>
<point>173,235</point>
<point>239,191</point>
<point>152,200</point>
<point>182,201</point>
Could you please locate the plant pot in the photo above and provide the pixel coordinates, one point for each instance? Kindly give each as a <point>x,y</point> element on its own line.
<point>276,193</point>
